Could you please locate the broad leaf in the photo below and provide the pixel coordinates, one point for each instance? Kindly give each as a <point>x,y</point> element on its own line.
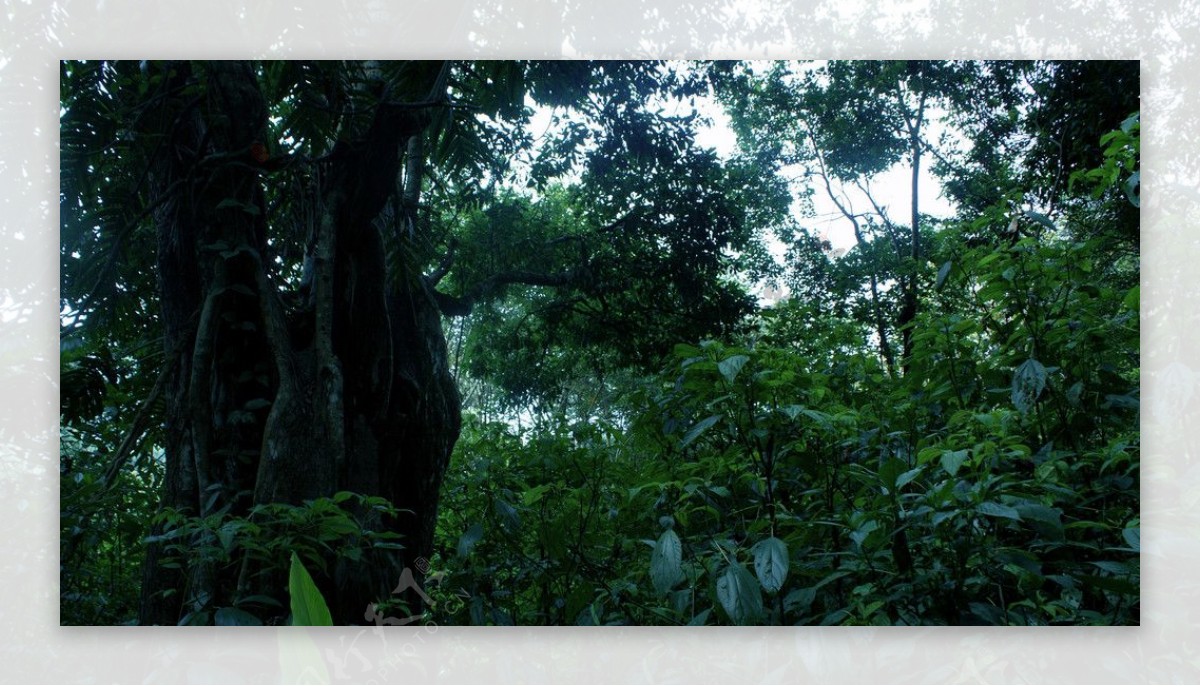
<point>1131,188</point>
<point>994,509</point>
<point>665,562</point>
<point>953,459</point>
<point>1134,538</point>
<point>730,367</point>
<point>771,563</point>
<point>510,519</point>
<point>1029,380</point>
<point>470,537</point>
<point>308,605</point>
<point>943,272</point>
<point>700,428</point>
<point>1132,298</point>
<point>1041,219</point>
<point>739,594</point>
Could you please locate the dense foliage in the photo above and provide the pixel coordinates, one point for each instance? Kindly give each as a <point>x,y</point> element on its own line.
<point>937,425</point>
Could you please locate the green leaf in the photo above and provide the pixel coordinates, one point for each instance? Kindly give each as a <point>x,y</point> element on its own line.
<point>1134,538</point>
<point>1041,219</point>
<point>1074,393</point>
<point>1112,567</point>
<point>308,606</point>
<point>533,495</point>
<point>470,537</point>
<point>259,600</point>
<point>1110,583</point>
<point>1047,520</point>
<point>1029,380</point>
<point>860,535</point>
<point>1132,299</point>
<point>771,563</point>
<point>739,594</point>
<point>1131,186</point>
<point>231,616</point>
<point>952,460</point>
<point>995,509</point>
<point>666,561</point>
<point>700,428</point>
<point>510,519</point>
<point>890,471</point>
<point>942,274</point>
<point>731,366</point>
<point>926,455</point>
<point>908,476</point>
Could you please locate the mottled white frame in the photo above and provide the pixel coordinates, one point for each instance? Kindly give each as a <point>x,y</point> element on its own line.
<point>35,35</point>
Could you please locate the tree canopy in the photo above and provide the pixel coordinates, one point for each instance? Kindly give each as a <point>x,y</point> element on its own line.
<point>486,342</point>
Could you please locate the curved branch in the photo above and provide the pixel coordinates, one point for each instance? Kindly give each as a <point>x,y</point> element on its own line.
<point>460,306</point>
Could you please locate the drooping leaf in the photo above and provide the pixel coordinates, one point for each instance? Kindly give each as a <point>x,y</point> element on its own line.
<point>943,272</point>
<point>701,427</point>
<point>995,509</point>
<point>1134,538</point>
<point>1029,380</point>
<point>1047,520</point>
<point>1131,188</point>
<point>740,595</point>
<point>470,537</point>
<point>1041,219</point>
<point>510,519</point>
<point>771,563</point>
<point>666,561</point>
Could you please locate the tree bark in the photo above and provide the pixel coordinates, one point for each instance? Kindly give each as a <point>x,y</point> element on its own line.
<point>357,386</point>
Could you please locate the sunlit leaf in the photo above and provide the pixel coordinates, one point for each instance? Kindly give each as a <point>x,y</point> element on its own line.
<point>308,605</point>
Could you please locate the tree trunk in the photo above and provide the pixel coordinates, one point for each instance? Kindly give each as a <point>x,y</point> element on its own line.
<point>909,295</point>
<point>350,391</point>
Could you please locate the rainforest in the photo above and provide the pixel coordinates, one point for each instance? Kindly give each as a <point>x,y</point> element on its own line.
<point>599,343</point>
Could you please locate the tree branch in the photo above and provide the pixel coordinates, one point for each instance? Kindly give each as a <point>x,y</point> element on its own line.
<point>141,421</point>
<point>460,306</point>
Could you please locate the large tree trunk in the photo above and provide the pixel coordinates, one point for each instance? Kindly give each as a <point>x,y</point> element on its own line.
<point>350,391</point>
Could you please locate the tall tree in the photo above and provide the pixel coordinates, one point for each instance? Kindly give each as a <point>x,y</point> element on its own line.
<point>846,122</point>
<point>301,218</point>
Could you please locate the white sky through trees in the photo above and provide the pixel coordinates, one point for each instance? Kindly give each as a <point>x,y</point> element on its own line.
<point>891,189</point>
